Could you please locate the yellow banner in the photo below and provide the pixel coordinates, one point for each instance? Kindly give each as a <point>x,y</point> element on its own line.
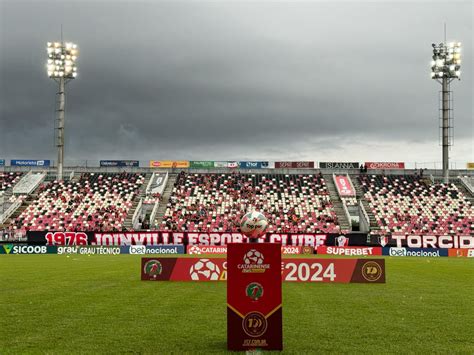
<point>470,165</point>
<point>169,164</point>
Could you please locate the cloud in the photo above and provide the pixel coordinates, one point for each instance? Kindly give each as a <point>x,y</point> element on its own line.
<point>208,80</point>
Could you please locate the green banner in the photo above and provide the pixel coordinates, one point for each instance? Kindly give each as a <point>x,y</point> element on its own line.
<point>201,164</point>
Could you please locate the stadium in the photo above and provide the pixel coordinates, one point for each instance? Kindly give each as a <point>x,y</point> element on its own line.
<point>123,252</point>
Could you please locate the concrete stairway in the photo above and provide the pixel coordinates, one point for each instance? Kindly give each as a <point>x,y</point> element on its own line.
<point>141,194</point>
<point>360,197</point>
<point>165,198</point>
<point>337,202</point>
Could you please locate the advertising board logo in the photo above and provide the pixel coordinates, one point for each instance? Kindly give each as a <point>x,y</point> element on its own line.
<point>253,262</point>
<point>254,324</point>
<point>253,257</point>
<point>383,240</point>
<point>307,250</point>
<point>153,268</point>
<point>398,252</point>
<point>8,248</point>
<point>371,271</point>
<point>254,291</point>
<point>194,250</point>
<point>204,270</point>
<point>342,241</point>
<point>137,249</point>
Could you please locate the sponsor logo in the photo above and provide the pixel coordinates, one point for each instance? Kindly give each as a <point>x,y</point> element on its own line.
<point>383,241</point>
<point>153,268</point>
<point>137,249</point>
<point>22,162</point>
<point>253,262</point>
<point>25,249</point>
<point>385,165</point>
<point>417,252</point>
<point>307,250</point>
<point>349,251</point>
<point>89,250</point>
<point>337,165</point>
<point>254,324</point>
<point>204,249</point>
<point>194,249</point>
<point>294,164</point>
<point>466,253</point>
<point>371,271</point>
<point>342,241</point>
<point>204,270</point>
<point>254,291</point>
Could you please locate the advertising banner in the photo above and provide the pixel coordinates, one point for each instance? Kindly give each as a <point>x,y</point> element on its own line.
<point>254,299</point>
<point>186,238</point>
<point>253,164</point>
<point>349,251</point>
<point>23,162</point>
<point>210,249</point>
<point>88,250</point>
<point>26,249</point>
<point>344,186</point>
<point>152,249</point>
<point>421,252</point>
<point>458,253</point>
<point>294,164</point>
<point>2,162</point>
<point>338,165</point>
<point>292,270</point>
<point>193,164</point>
<point>119,163</point>
<point>385,165</point>
<point>334,270</point>
<point>470,166</point>
<point>431,241</point>
<point>170,164</point>
<point>226,164</point>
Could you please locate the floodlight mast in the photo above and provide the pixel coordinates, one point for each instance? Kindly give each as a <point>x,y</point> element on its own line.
<point>445,67</point>
<point>61,68</point>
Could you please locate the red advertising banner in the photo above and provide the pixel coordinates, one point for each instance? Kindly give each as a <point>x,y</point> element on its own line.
<point>385,165</point>
<point>344,186</point>
<point>254,300</point>
<point>349,251</point>
<point>292,270</point>
<point>211,249</point>
<point>294,164</point>
<point>459,253</point>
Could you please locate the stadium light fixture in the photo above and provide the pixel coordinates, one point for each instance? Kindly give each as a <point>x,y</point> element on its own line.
<point>446,67</point>
<point>61,67</point>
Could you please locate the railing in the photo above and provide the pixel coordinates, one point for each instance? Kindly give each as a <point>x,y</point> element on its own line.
<point>29,183</point>
<point>364,213</point>
<point>148,187</point>
<point>154,213</point>
<point>13,207</point>
<point>136,214</point>
<point>467,184</point>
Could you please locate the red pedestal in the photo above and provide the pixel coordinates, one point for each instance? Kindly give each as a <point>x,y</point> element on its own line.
<point>254,309</point>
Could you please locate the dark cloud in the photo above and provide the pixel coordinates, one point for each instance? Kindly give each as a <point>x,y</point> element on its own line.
<point>233,80</point>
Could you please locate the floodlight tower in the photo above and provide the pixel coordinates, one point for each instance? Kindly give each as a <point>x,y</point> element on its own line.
<point>61,68</point>
<point>445,67</point>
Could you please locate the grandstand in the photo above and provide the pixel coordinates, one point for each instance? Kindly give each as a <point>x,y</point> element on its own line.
<point>300,201</point>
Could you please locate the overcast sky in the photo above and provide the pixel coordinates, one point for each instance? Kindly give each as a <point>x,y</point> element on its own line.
<point>322,81</point>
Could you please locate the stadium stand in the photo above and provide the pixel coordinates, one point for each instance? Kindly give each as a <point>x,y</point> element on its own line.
<point>94,202</point>
<point>8,180</point>
<point>216,202</point>
<point>410,205</point>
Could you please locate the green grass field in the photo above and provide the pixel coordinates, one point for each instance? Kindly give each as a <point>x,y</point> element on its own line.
<point>97,304</point>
